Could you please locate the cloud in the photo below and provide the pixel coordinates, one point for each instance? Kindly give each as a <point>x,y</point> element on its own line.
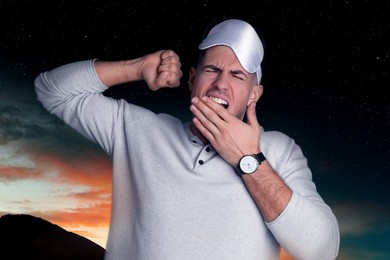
<point>22,161</point>
<point>18,121</point>
<point>358,253</point>
<point>47,169</point>
<point>20,112</point>
<point>23,119</point>
<point>38,145</point>
<point>94,195</point>
<point>95,215</point>
<point>10,174</point>
<point>84,182</point>
<point>364,227</point>
<point>358,218</point>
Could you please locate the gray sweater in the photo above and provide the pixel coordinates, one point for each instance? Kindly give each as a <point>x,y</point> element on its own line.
<point>175,198</point>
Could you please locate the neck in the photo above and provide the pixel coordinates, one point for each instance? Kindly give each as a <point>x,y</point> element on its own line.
<point>197,133</point>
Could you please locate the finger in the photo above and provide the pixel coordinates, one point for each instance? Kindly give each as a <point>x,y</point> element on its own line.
<point>215,113</point>
<point>204,114</point>
<point>203,130</point>
<point>170,60</point>
<point>169,76</point>
<point>171,79</point>
<point>168,54</point>
<point>220,111</point>
<point>207,107</point>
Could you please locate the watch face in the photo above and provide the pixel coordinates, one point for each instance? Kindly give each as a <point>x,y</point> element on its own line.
<point>248,164</point>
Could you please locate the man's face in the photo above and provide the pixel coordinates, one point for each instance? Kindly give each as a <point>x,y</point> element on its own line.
<point>221,77</point>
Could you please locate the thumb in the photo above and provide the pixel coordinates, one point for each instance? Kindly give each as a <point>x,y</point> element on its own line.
<point>161,80</point>
<point>251,114</point>
<point>168,79</point>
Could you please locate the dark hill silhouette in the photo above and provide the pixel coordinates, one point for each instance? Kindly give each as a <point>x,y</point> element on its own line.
<point>28,237</point>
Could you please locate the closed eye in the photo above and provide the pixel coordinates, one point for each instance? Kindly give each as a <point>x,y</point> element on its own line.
<point>239,74</point>
<point>211,68</point>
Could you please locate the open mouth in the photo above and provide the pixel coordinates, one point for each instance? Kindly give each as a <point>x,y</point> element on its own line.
<point>220,101</point>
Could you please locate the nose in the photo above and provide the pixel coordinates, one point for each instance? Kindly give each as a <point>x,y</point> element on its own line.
<point>221,82</point>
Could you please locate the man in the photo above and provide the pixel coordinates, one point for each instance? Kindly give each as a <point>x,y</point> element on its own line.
<point>213,188</point>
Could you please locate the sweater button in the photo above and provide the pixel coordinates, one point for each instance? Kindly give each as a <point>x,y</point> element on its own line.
<point>201,162</point>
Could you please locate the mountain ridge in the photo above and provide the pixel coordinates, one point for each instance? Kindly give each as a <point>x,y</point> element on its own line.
<point>25,236</point>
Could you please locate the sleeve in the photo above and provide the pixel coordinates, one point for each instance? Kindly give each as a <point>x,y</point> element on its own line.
<point>307,228</point>
<point>74,93</point>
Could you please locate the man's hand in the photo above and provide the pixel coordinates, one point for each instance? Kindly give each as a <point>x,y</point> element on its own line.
<point>161,69</point>
<point>230,136</point>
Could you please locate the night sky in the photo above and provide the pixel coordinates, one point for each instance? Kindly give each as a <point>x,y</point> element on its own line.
<point>325,85</point>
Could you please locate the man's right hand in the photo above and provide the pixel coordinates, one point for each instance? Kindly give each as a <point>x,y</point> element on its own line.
<point>161,69</point>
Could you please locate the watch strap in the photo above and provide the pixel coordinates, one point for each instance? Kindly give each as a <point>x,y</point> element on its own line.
<point>260,157</point>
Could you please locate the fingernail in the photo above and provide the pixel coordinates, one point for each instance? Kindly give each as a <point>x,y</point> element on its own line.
<point>194,100</point>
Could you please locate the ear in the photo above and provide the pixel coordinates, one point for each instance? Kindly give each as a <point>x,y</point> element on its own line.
<point>191,78</point>
<point>256,93</point>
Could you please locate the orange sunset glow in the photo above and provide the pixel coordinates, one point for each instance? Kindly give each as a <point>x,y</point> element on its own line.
<point>68,187</point>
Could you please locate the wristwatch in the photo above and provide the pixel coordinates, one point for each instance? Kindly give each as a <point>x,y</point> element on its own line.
<point>249,163</point>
